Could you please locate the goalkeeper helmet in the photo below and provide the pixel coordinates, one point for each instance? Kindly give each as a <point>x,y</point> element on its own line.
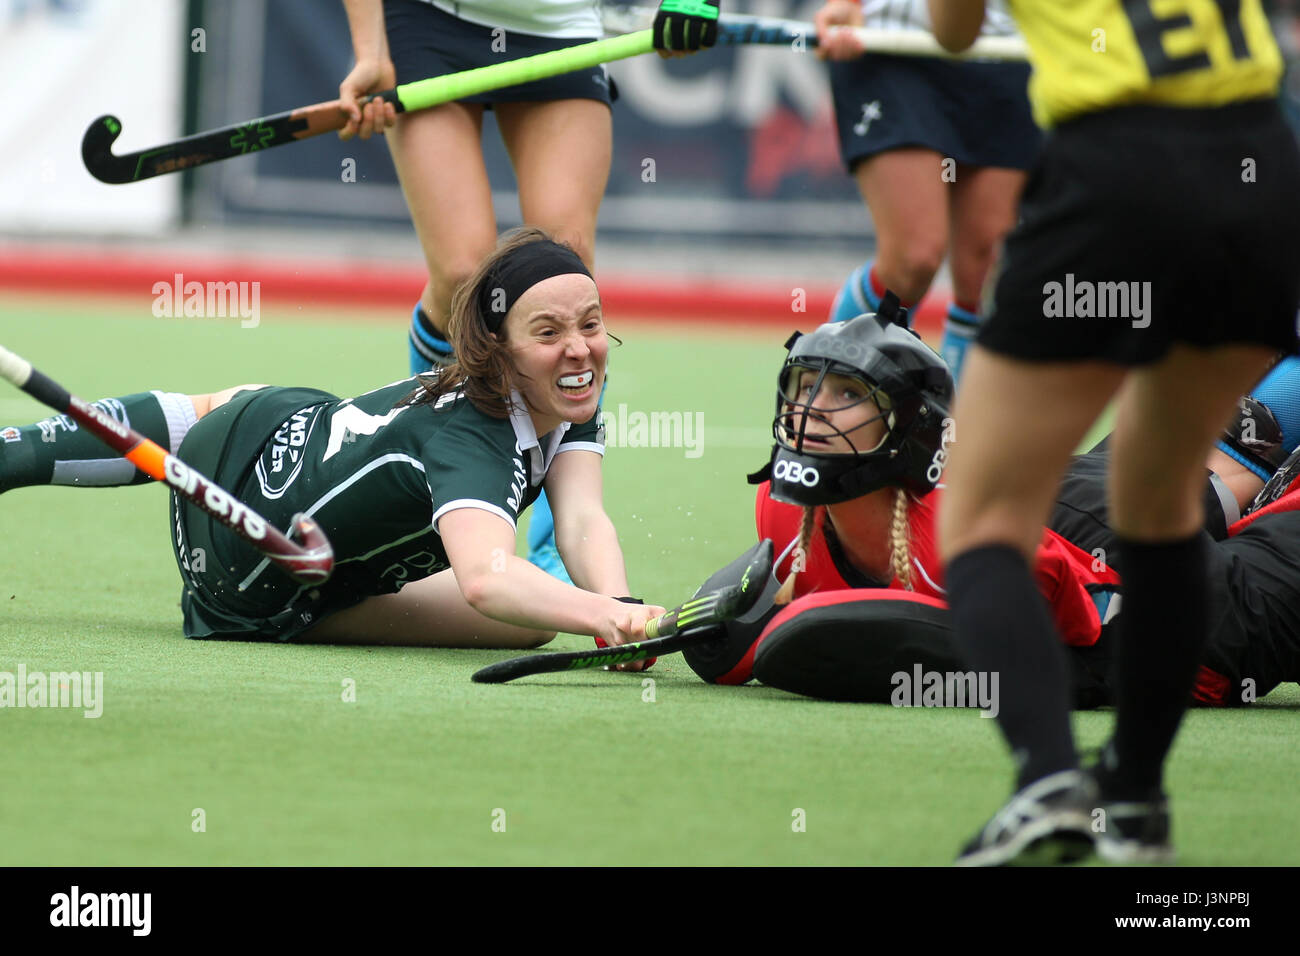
<point>897,380</point>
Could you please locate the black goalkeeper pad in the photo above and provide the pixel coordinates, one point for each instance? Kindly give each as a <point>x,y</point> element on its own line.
<point>724,660</point>
<point>848,645</point>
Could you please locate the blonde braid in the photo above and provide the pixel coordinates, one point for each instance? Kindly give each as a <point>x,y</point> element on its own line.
<point>900,553</point>
<point>786,594</point>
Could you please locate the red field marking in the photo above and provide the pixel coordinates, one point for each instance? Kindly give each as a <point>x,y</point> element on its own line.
<point>685,301</point>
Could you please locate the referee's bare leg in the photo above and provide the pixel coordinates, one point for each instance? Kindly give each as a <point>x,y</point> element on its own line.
<point>1017,424</point>
<point>1168,418</point>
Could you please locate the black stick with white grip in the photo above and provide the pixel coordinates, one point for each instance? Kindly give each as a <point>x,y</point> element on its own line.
<point>310,562</point>
<point>688,624</point>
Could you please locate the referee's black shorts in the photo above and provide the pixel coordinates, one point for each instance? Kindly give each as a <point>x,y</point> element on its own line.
<point>423,41</point>
<point>1145,226</point>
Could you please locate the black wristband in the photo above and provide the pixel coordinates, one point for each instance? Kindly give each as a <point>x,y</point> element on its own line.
<point>629,600</point>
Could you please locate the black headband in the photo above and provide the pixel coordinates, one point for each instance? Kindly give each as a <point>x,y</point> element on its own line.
<point>518,272</point>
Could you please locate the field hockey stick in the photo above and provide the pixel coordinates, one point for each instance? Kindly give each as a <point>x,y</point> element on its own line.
<point>308,563</point>
<point>280,128</point>
<point>739,28</point>
<point>674,631</point>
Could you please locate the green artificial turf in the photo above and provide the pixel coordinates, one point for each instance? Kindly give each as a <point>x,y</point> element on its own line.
<point>425,767</point>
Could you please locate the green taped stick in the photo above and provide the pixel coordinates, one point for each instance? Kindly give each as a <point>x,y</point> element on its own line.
<point>675,630</point>
<point>289,127</point>
<point>422,94</point>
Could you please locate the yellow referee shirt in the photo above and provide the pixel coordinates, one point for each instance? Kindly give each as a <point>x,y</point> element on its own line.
<point>1095,54</point>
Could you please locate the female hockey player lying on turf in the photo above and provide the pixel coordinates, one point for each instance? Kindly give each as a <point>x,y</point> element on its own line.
<point>862,428</point>
<point>418,485</point>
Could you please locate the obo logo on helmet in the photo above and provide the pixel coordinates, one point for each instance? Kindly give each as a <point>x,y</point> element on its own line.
<point>786,470</point>
<point>940,459</point>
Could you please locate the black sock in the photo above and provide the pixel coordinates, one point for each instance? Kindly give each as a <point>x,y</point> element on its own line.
<point>1002,627</point>
<point>57,451</point>
<point>1161,631</point>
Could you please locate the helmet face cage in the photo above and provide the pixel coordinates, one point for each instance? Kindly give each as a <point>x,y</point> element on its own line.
<point>790,427</point>
<point>911,389</point>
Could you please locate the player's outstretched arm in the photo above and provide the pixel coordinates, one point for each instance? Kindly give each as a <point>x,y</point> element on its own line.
<point>956,23</point>
<point>584,535</point>
<point>497,583</point>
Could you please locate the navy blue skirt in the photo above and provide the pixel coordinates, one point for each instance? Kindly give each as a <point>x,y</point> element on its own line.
<point>976,113</point>
<point>423,41</point>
